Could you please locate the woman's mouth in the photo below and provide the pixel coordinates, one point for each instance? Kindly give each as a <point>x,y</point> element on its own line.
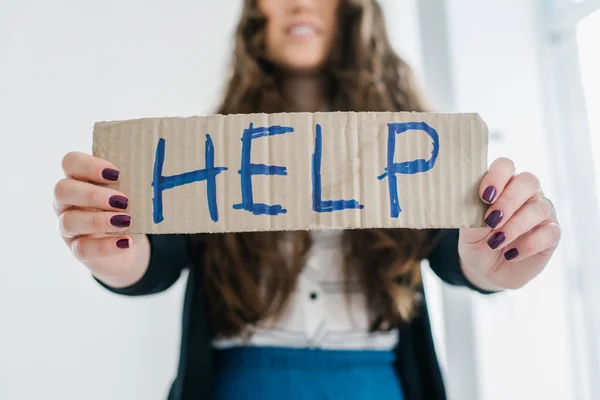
<point>302,30</point>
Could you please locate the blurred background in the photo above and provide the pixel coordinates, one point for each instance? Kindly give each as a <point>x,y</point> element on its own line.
<point>531,68</point>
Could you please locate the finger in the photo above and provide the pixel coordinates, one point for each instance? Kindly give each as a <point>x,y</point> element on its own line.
<point>88,248</point>
<point>533,213</point>
<point>77,222</point>
<point>493,183</point>
<point>520,189</point>
<point>71,192</point>
<point>542,238</point>
<point>85,167</point>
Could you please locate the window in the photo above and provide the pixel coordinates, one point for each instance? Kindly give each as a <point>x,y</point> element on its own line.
<point>572,32</point>
<point>588,38</point>
<point>531,70</point>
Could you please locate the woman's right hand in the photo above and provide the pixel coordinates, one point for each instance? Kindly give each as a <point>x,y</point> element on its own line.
<point>88,212</point>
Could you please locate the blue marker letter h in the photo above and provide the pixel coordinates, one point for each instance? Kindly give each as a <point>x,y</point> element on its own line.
<point>161,183</point>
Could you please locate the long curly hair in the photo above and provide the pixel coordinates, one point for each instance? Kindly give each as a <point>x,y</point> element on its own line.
<point>248,277</point>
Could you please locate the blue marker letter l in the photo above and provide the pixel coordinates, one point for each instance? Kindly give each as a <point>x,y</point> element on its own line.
<point>248,169</point>
<point>406,167</point>
<point>161,183</point>
<point>320,205</point>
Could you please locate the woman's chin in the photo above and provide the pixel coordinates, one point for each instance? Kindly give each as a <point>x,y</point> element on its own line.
<point>301,63</point>
<point>303,67</point>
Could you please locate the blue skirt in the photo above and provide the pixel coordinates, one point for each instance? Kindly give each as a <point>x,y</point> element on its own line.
<point>257,373</point>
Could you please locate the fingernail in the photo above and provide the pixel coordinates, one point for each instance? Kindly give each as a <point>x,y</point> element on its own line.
<point>494,219</point>
<point>110,174</point>
<point>511,254</point>
<point>123,243</point>
<point>118,202</point>
<point>121,221</point>
<point>489,194</point>
<point>496,240</point>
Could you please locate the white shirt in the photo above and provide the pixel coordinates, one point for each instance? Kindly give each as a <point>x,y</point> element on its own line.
<point>318,314</point>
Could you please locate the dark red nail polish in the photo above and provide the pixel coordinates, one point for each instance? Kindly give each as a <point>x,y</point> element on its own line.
<point>494,219</point>
<point>496,240</point>
<point>489,194</point>
<point>121,221</point>
<point>511,254</point>
<point>123,243</point>
<point>110,174</point>
<point>118,202</point>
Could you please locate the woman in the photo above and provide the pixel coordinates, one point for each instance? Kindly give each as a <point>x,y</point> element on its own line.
<point>309,315</point>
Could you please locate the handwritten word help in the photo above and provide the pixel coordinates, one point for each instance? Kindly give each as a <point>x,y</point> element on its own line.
<point>210,172</point>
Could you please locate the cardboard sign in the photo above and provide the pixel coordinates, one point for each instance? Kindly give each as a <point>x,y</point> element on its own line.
<point>298,171</point>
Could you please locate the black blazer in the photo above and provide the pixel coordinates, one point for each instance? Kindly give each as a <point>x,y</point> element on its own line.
<point>417,363</point>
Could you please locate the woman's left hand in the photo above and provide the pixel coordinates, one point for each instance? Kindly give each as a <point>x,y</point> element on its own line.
<point>522,235</point>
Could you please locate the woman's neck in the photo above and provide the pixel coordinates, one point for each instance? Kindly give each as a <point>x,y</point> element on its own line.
<point>305,92</point>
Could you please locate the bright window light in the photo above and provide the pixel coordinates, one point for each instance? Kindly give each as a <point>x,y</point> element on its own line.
<point>588,34</point>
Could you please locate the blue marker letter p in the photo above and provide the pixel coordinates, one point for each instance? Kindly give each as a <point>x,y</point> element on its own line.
<point>406,167</point>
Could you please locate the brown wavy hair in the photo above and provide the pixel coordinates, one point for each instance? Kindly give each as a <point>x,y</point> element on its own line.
<point>249,277</point>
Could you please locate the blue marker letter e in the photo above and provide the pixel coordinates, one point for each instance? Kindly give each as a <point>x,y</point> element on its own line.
<point>248,169</point>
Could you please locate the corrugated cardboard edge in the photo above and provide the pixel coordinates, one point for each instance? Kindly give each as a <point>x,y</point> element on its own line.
<point>412,115</point>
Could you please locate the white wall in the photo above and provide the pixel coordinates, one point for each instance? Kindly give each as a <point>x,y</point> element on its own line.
<point>64,65</point>
<point>403,29</point>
